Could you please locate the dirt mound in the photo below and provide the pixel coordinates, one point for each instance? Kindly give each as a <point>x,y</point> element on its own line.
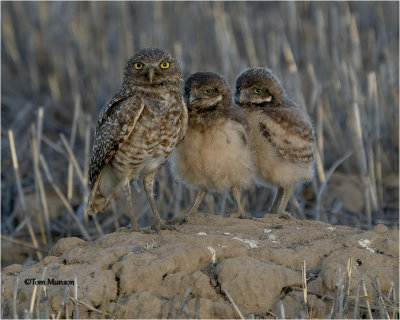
<point>195,270</point>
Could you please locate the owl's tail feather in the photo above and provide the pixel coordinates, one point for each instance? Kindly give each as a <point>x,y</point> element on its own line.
<point>103,191</point>
<point>99,204</point>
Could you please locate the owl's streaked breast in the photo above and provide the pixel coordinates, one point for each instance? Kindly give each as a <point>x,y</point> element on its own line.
<point>152,140</point>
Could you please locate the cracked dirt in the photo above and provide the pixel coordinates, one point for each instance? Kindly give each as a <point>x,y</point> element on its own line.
<point>187,272</point>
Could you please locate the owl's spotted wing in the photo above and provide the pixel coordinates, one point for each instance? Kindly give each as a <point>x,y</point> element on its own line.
<point>183,121</point>
<point>289,131</point>
<point>115,123</point>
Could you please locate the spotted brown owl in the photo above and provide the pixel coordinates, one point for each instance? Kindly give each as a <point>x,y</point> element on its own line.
<point>137,130</point>
<point>281,135</point>
<point>215,154</point>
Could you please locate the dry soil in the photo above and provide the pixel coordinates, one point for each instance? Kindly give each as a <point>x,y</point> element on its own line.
<point>192,270</point>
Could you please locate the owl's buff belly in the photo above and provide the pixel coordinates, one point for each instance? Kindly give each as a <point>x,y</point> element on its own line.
<point>216,159</point>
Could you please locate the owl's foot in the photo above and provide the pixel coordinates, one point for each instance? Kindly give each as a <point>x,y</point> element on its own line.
<point>192,212</point>
<point>133,228</point>
<point>240,215</point>
<point>184,218</point>
<point>156,227</point>
<point>175,221</point>
<point>179,220</point>
<point>284,215</point>
<point>122,229</point>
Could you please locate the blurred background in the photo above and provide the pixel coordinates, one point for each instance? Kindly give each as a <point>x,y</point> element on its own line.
<point>61,61</point>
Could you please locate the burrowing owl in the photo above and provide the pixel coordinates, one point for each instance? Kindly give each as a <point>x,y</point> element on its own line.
<point>137,130</point>
<point>281,135</point>
<point>214,154</point>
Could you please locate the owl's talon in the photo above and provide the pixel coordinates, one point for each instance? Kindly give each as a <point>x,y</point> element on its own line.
<point>239,215</point>
<point>182,221</point>
<point>147,230</point>
<point>246,216</point>
<point>285,215</point>
<point>179,220</point>
<point>134,227</point>
<point>174,221</point>
<point>162,225</point>
<point>168,227</point>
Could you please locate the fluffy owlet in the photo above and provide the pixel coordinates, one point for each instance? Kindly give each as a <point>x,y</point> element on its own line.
<point>215,154</point>
<point>281,135</point>
<point>137,130</point>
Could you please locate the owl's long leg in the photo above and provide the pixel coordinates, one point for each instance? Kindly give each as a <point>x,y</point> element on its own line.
<point>241,213</point>
<point>193,210</point>
<point>199,199</point>
<point>148,182</point>
<point>128,197</point>
<point>281,200</point>
<point>277,200</point>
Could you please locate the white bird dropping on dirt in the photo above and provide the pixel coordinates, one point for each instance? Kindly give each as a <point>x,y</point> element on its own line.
<point>213,254</point>
<point>251,243</point>
<point>365,243</point>
<point>272,237</point>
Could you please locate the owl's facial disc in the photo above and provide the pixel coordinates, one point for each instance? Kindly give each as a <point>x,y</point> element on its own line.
<point>204,97</point>
<point>154,73</point>
<point>253,95</point>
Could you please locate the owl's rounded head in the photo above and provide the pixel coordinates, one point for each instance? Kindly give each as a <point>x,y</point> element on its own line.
<point>204,90</point>
<point>258,86</point>
<point>152,66</point>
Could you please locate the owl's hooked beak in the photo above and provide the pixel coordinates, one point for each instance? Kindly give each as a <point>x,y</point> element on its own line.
<point>243,96</point>
<point>151,74</point>
<point>192,98</point>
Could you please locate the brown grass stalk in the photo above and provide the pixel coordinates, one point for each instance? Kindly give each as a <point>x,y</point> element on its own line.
<point>360,149</point>
<point>73,160</point>
<point>76,313</point>
<point>20,191</point>
<point>366,297</point>
<point>71,144</point>
<point>233,303</point>
<point>23,243</point>
<point>64,199</point>
<point>15,292</point>
<point>87,306</point>
<point>39,181</point>
<point>64,302</point>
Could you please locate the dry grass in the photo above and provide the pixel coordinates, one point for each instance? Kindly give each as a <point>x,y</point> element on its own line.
<point>62,61</point>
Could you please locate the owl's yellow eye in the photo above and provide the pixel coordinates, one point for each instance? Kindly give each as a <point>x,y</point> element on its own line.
<point>138,65</point>
<point>164,65</point>
<point>257,90</point>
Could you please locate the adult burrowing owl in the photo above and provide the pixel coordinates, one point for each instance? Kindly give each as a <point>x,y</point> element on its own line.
<point>281,135</point>
<point>137,130</point>
<point>214,154</point>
